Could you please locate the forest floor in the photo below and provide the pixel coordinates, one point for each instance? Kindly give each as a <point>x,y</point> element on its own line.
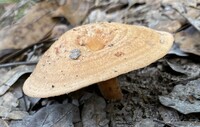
<point>163,94</point>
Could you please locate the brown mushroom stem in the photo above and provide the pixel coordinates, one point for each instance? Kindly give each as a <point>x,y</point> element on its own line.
<point>110,89</point>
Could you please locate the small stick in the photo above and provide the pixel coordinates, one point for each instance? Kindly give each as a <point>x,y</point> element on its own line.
<point>18,63</point>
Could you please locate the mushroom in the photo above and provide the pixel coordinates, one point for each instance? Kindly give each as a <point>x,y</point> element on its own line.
<point>96,53</point>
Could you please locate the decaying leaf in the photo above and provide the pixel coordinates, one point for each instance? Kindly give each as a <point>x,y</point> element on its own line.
<point>75,11</point>
<point>186,124</point>
<point>147,123</point>
<point>12,12</point>
<point>160,21</point>
<point>58,30</point>
<point>38,23</point>
<point>176,50</point>
<point>14,114</point>
<point>5,52</point>
<point>3,123</point>
<point>93,112</point>
<point>184,67</point>
<point>57,115</point>
<point>168,115</point>
<point>189,40</point>
<point>100,16</point>
<point>140,106</point>
<point>9,100</point>
<point>184,98</point>
<point>8,107</point>
<point>9,78</point>
<point>195,22</point>
<point>25,103</point>
<point>33,27</point>
<point>188,11</point>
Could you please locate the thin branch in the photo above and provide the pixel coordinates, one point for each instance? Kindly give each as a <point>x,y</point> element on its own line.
<point>18,63</point>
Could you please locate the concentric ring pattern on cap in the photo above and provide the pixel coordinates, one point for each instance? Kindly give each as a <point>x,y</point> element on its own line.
<point>106,50</point>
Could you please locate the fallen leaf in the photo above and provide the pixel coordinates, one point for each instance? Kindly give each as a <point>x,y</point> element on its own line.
<point>191,3</point>
<point>176,50</point>
<point>3,123</point>
<point>101,16</point>
<point>32,28</point>
<point>8,107</point>
<point>184,98</point>
<point>5,52</point>
<point>14,114</point>
<point>58,30</point>
<point>75,11</point>
<point>159,21</point>
<point>168,115</point>
<point>192,14</point>
<point>25,103</point>
<point>147,123</point>
<point>185,67</point>
<point>9,100</point>
<point>57,115</point>
<point>165,25</point>
<point>186,124</point>
<point>93,112</point>
<point>9,78</point>
<point>188,40</point>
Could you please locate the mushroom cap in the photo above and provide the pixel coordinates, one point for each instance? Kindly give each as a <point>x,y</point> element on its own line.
<point>104,51</point>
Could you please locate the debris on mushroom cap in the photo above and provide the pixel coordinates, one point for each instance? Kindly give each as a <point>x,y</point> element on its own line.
<point>74,54</point>
<point>133,47</point>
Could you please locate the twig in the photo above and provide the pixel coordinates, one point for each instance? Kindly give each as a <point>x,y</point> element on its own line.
<point>21,51</point>
<point>162,122</point>
<point>18,63</point>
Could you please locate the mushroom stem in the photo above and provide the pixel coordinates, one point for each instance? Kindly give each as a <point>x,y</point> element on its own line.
<point>110,89</point>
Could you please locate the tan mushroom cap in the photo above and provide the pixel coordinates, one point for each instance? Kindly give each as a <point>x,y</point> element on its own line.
<point>106,51</point>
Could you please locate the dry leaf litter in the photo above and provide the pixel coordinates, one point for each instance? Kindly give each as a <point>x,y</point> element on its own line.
<point>164,94</point>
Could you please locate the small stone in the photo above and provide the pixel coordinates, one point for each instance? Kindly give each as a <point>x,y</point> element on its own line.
<point>74,54</point>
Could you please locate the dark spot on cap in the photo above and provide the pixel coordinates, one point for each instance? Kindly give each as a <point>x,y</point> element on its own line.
<point>110,45</point>
<point>118,54</point>
<point>52,86</point>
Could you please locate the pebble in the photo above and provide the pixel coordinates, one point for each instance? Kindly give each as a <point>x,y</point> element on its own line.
<point>74,54</point>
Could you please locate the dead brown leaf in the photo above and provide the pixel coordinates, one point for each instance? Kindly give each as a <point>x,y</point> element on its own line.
<point>58,30</point>
<point>38,23</point>
<point>189,40</point>
<point>189,10</point>
<point>33,27</point>
<point>9,78</point>
<point>75,11</point>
